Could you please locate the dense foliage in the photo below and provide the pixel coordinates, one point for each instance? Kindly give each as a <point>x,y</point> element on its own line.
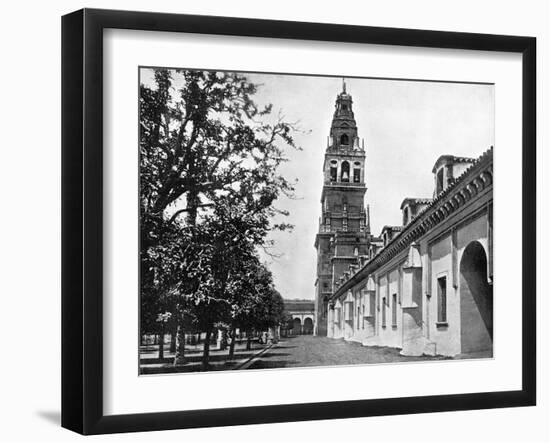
<point>209,180</point>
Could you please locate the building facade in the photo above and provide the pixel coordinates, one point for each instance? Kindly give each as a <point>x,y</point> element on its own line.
<point>427,286</point>
<point>343,237</point>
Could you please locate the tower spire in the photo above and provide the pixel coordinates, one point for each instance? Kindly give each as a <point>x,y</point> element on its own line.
<point>344,231</point>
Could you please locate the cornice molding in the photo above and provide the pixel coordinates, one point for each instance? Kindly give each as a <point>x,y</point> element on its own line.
<point>477,178</point>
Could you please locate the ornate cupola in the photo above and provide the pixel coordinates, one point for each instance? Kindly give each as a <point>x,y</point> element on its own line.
<point>343,131</point>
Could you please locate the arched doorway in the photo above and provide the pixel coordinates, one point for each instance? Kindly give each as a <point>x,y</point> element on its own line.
<point>476,301</point>
<point>308,326</point>
<point>297,327</point>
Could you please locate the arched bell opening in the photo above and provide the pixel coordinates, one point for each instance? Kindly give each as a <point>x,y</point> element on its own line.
<point>345,172</point>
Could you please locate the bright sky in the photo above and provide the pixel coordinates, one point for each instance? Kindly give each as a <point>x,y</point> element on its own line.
<point>406,125</point>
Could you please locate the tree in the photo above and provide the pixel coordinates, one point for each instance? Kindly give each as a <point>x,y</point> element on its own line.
<point>247,292</point>
<point>261,306</point>
<point>203,142</point>
<point>236,279</point>
<point>204,145</point>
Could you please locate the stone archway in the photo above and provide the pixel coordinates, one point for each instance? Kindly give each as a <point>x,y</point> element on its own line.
<point>297,326</point>
<point>308,326</point>
<point>476,301</point>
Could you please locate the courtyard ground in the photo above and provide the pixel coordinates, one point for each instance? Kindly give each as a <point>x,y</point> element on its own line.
<point>149,362</point>
<point>295,351</point>
<point>308,350</point>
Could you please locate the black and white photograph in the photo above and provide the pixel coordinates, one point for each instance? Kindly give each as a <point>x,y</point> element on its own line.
<point>261,221</point>
<point>293,221</point>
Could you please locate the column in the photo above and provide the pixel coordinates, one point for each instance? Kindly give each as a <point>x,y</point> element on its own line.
<point>411,304</point>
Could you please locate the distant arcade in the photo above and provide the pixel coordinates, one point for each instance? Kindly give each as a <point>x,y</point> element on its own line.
<point>302,315</point>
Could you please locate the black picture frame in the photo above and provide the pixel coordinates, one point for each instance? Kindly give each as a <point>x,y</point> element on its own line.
<point>82,215</point>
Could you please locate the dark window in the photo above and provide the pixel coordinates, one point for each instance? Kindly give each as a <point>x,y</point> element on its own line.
<point>344,139</point>
<point>356,175</point>
<point>442,300</point>
<point>333,173</point>
<point>344,107</point>
<point>394,310</point>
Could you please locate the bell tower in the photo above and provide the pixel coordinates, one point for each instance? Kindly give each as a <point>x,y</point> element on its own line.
<point>344,229</point>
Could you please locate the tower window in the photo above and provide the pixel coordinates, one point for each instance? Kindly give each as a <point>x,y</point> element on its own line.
<point>345,171</point>
<point>356,175</point>
<point>333,173</point>
<point>344,139</point>
<point>344,107</point>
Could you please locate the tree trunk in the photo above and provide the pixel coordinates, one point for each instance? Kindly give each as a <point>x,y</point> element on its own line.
<point>248,340</point>
<point>179,358</point>
<point>232,345</point>
<point>206,351</point>
<point>173,340</point>
<point>161,343</point>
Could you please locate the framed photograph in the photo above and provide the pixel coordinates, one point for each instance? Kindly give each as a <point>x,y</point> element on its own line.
<point>269,221</point>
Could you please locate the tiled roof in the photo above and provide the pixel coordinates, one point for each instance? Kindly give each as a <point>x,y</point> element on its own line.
<point>416,201</point>
<point>451,159</point>
<point>392,228</point>
<point>299,305</point>
<point>432,214</point>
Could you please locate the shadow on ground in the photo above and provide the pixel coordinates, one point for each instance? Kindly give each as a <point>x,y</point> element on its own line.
<point>299,351</point>
<point>262,364</point>
<point>53,417</point>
